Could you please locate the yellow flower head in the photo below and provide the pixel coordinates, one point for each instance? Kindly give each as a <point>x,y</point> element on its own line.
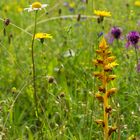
<point>36,6</point>
<point>42,36</point>
<point>72,4</point>
<point>102,13</point>
<point>137,3</point>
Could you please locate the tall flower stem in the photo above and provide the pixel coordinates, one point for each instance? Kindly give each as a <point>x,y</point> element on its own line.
<point>33,67</point>
<point>106,62</point>
<point>136,55</point>
<point>105,105</point>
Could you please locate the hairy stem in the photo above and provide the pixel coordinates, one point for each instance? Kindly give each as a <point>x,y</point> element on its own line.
<point>33,67</point>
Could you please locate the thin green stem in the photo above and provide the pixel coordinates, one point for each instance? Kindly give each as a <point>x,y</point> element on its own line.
<point>136,55</point>
<point>33,66</point>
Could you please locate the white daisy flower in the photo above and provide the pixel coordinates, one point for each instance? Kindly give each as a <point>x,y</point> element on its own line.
<point>36,6</point>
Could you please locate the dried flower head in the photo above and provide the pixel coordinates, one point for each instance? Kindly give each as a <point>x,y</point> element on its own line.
<point>7,22</point>
<point>36,6</point>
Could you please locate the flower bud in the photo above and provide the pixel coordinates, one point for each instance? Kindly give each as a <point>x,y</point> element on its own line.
<point>7,22</point>
<point>111,91</point>
<point>99,97</point>
<point>100,122</point>
<point>111,130</point>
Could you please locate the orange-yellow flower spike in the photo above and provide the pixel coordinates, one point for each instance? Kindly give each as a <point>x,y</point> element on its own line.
<point>103,44</point>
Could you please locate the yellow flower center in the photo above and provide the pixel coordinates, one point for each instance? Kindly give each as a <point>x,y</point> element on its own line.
<point>36,5</point>
<point>137,3</point>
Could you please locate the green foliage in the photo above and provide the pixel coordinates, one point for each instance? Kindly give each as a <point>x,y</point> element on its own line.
<point>67,105</point>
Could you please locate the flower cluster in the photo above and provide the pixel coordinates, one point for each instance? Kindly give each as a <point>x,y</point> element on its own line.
<point>106,63</point>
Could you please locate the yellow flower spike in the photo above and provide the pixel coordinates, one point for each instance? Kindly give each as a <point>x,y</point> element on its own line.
<point>102,13</point>
<point>103,44</point>
<point>111,92</point>
<point>106,63</point>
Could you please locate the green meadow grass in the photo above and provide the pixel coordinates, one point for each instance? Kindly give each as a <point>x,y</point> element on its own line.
<point>67,106</point>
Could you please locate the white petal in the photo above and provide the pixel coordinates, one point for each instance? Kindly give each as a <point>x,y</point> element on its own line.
<point>44,5</point>
<point>26,9</point>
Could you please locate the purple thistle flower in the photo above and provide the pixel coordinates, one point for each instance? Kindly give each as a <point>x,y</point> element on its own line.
<point>133,39</point>
<point>115,33</point>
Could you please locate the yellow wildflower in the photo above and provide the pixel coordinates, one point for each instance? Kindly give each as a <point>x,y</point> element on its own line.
<point>19,9</point>
<point>137,3</point>
<point>36,6</point>
<point>42,36</point>
<point>102,13</point>
<point>72,5</point>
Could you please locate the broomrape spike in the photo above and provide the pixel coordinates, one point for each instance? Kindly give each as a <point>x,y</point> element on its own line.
<point>106,62</point>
